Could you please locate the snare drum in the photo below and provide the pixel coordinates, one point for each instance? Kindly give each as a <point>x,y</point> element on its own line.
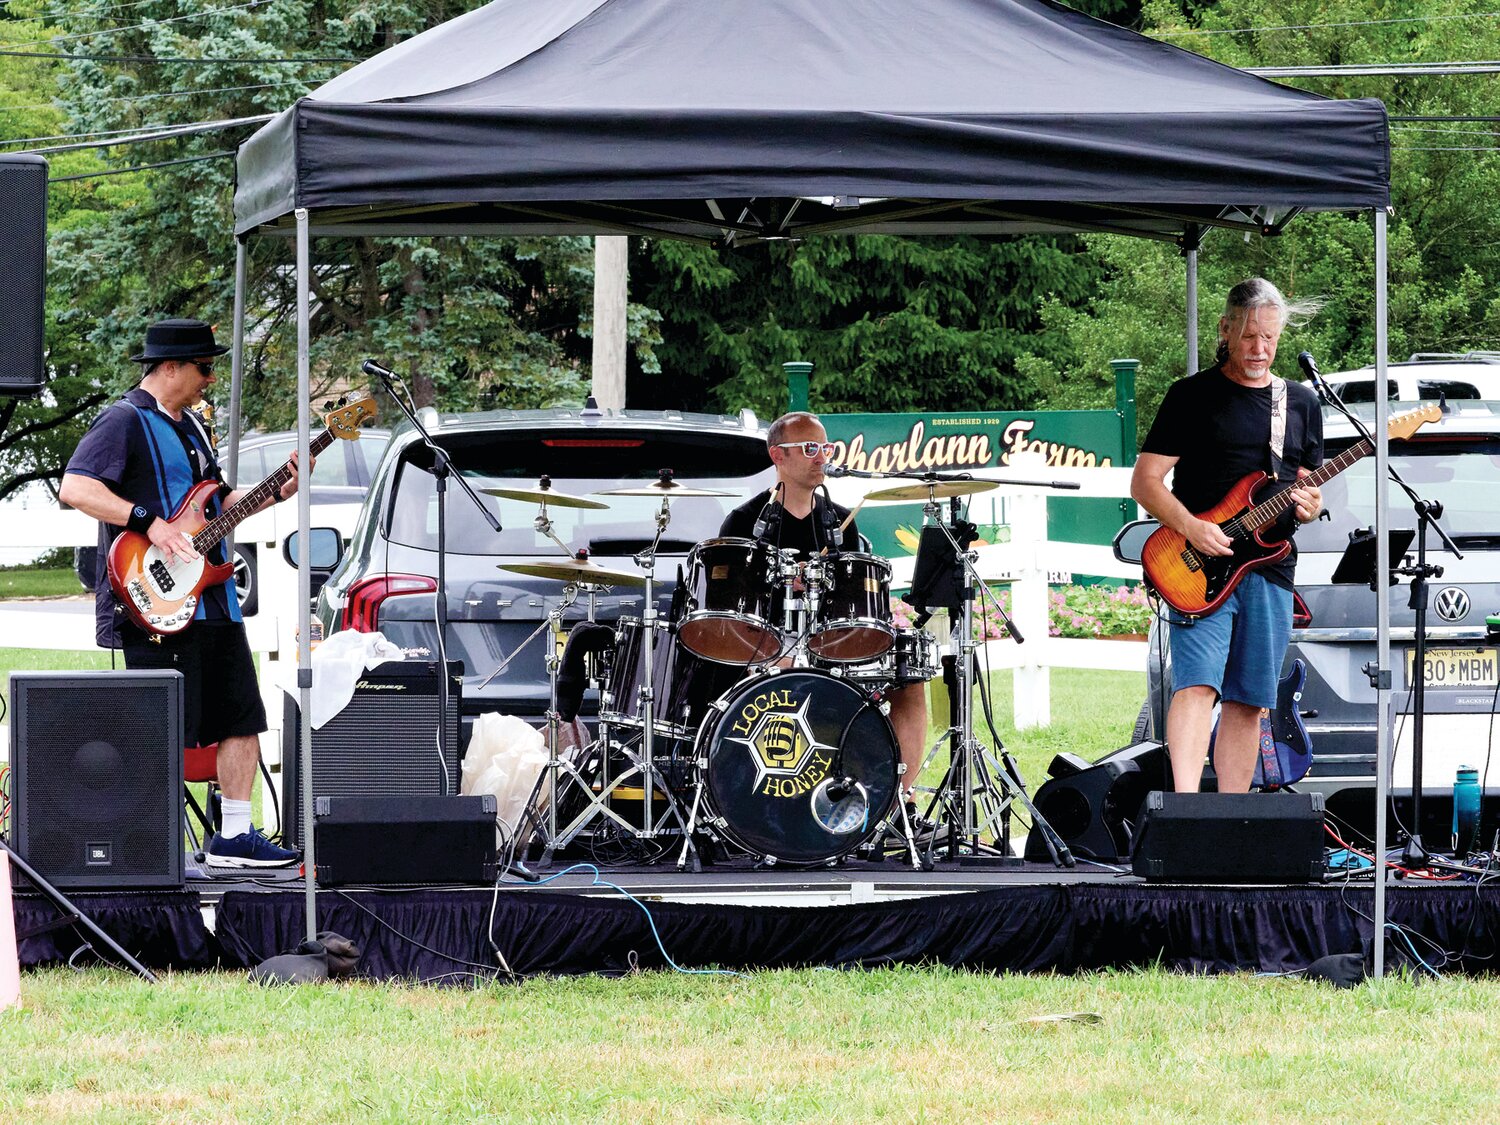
<point>854,613</point>
<point>730,606</point>
<point>684,684</point>
<point>912,659</point>
<point>796,767</point>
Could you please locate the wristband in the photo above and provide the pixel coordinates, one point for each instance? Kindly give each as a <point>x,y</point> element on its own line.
<point>140,520</point>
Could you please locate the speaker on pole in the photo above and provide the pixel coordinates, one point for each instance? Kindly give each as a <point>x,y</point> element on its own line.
<point>23,266</point>
<point>96,761</point>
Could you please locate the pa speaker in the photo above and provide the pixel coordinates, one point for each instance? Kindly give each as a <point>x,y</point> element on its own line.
<point>385,840</point>
<point>96,762</point>
<point>1231,838</point>
<point>1095,808</point>
<point>23,265</point>
<point>384,743</point>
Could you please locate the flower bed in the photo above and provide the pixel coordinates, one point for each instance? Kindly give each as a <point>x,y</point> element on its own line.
<point>1072,611</point>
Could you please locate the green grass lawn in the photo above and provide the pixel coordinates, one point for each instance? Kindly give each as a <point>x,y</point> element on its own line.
<point>930,1045</point>
<point>35,582</point>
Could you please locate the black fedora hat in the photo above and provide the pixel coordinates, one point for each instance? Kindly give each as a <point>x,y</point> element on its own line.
<point>178,339</point>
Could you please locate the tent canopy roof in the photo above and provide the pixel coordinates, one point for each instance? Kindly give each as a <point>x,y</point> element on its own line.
<point>742,120</point>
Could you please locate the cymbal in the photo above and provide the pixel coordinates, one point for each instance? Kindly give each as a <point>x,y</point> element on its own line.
<point>577,570</point>
<point>936,490</point>
<point>668,488</point>
<point>545,496</point>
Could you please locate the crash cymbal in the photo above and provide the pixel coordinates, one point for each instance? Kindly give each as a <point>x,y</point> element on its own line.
<point>545,494</point>
<point>577,570</point>
<point>936,490</point>
<point>668,488</point>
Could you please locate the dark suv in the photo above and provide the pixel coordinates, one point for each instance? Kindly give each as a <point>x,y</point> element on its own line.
<point>388,578</point>
<point>1456,461</point>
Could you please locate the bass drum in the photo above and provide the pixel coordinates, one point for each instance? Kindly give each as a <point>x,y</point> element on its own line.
<point>796,767</point>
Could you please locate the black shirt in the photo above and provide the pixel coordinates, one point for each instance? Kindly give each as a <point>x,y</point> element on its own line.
<point>805,535</point>
<point>1220,431</point>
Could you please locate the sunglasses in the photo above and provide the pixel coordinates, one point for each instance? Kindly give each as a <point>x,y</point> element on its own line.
<point>809,448</point>
<point>205,367</point>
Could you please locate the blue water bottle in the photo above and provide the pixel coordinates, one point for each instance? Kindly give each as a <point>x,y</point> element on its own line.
<point>1465,811</point>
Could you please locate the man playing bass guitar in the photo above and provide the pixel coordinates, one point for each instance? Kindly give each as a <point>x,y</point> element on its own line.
<point>132,470</point>
<point>1213,429</point>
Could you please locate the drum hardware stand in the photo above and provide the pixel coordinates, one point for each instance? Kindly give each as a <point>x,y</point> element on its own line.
<point>977,791</point>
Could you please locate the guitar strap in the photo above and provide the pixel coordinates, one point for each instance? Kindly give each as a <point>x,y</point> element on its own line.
<point>1278,424</point>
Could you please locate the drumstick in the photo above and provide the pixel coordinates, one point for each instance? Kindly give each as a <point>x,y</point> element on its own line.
<point>852,513</point>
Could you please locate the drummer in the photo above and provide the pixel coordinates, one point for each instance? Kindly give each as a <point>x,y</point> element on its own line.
<point>794,516</point>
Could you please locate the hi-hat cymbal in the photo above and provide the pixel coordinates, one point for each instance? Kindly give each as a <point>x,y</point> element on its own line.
<point>577,570</point>
<point>668,488</point>
<point>935,490</point>
<point>546,494</point>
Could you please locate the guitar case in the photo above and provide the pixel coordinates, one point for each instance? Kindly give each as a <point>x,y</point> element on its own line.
<point>1285,746</point>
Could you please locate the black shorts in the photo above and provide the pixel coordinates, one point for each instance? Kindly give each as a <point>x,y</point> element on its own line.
<point>221,698</point>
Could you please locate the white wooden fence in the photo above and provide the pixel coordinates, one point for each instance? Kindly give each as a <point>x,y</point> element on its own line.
<point>1026,560</point>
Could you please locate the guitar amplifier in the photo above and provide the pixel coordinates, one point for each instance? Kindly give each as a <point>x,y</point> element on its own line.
<point>378,841</point>
<point>383,744</point>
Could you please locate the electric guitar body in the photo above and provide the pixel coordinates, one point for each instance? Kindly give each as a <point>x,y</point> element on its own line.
<point>157,596</point>
<point>1196,584</point>
<point>161,597</point>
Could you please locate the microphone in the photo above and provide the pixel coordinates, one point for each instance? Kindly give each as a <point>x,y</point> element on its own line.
<point>833,535</point>
<point>763,520</point>
<point>840,788</point>
<point>385,374</point>
<point>835,471</point>
<point>1314,376</point>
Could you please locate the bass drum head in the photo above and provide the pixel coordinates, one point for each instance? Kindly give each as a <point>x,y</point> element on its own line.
<point>770,766</point>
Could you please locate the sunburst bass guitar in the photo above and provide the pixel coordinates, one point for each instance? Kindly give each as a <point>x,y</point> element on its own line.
<point>1196,584</point>
<point>161,597</point>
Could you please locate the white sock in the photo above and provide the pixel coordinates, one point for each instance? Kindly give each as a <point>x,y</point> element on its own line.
<point>236,816</point>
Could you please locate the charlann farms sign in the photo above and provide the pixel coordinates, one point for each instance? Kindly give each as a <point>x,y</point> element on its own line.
<point>905,443</point>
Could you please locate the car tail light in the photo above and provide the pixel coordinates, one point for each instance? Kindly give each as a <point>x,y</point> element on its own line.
<point>362,604</point>
<point>1301,615</point>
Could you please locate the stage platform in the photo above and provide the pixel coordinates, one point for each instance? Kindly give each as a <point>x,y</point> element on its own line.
<point>1031,918</point>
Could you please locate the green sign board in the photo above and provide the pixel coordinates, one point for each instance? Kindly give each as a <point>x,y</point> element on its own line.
<point>981,440</point>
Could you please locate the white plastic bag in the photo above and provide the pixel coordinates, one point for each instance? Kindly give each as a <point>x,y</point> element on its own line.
<point>505,757</point>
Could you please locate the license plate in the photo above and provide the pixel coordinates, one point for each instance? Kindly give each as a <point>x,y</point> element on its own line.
<point>1457,667</point>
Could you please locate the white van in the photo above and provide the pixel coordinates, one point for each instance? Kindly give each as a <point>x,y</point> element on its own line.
<point>1473,375</point>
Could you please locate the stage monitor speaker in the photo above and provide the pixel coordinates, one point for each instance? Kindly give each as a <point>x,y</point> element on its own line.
<point>1231,838</point>
<point>23,265</point>
<point>382,744</point>
<point>386,840</point>
<point>96,770</point>
<point>1095,807</point>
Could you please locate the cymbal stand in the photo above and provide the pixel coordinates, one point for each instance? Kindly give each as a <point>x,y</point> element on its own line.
<point>977,791</point>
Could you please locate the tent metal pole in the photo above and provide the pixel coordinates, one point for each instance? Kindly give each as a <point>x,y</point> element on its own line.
<point>1192,310</point>
<point>304,575</point>
<point>237,363</point>
<point>1383,603</point>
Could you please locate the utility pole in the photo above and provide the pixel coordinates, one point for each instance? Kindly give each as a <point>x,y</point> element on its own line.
<point>611,271</point>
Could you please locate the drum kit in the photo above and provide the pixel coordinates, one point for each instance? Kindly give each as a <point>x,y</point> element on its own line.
<point>753,717</point>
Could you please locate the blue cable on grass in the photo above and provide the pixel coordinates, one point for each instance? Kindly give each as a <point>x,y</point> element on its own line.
<point>600,881</point>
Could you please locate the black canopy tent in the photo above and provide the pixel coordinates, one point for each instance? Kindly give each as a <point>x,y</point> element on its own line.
<point>744,120</point>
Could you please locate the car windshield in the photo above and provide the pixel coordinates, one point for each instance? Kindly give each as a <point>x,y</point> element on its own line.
<point>580,465</point>
<point>1463,476</point>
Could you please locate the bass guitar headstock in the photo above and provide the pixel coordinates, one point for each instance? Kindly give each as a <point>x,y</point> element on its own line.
<point>349,414</point>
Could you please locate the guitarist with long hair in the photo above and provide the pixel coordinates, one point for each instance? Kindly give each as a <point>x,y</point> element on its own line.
<point>1213,429</point>
<point>132,470</point>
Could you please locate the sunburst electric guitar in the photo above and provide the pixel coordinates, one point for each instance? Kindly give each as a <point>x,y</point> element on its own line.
<point>1194,583</point>
<point>161,597</point>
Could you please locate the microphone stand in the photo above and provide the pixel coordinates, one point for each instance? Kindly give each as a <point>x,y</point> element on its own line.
<point>442,470</point>
<point>1413,855</point>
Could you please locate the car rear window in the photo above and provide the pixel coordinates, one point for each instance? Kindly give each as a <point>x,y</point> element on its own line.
<point>582,464</point>
<point>1463,476</point>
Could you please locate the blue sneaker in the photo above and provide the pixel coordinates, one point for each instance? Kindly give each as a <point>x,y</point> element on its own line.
<point>251,849</point>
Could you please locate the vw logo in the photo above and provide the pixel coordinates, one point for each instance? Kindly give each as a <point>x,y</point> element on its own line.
<point>1452,603</point>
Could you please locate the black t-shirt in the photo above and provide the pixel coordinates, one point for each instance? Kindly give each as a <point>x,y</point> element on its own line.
<point>1220,431</point>
<point>785,531</point>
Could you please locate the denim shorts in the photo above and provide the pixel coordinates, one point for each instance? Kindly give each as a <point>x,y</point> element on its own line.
<point>1237,650</point>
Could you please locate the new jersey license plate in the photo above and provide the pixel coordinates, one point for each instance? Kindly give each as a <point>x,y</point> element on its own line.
<point>1457,667</point>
